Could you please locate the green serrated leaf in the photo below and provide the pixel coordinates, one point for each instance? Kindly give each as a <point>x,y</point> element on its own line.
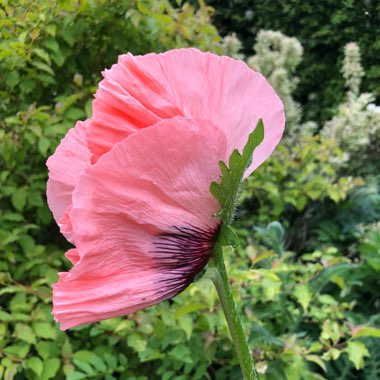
<point>51,367</point>
<point>45,330</point>
<point>4,316</point>
<point>227,191</point>
<point>43,146</point>
<point>357,351</point>
<point>25,333</point>
<point>12,78</point>
<point>43,66</point>
<point>43,349</point>
<point>150,354</point>
<point>189,308</point>
<point>303,294</point>
<point>317,360</point>
<point>137,342</point>
<point>111,360</point>
<point>181,353</point>
<point>19,198</point>
<point>98,363</point>
<point>42,54</point>
<point>35,364</point>
<point>84,366</point>
<point>67,350</point>
<point>19,350</point>
<point>366,331</point>
<point>229,236</point>
<point>186,324</point>
<point>76,376</point>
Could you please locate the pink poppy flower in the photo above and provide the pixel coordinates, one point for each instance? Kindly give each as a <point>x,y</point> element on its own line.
<point>130,186</point>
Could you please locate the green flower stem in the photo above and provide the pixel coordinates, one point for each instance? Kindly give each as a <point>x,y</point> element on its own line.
<point>218,274</point>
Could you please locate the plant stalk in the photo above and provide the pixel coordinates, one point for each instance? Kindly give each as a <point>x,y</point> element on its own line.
<point>218,275</point>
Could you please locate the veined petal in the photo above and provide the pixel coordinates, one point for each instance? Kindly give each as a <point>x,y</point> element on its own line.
<point>84,300</point>
<point>72,255</point>
<point>128,99</point>
<point>191,83</point>
<point>65,166</point>
<point>144,222</point>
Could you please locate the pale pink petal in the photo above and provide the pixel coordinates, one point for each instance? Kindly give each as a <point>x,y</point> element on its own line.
<point>223,90</point>
<point>191,83</point>
<point>72,255</point>
<point>144,221</point>
<point>65,225</point>
<point>84,300</point>
<point>65,166</point>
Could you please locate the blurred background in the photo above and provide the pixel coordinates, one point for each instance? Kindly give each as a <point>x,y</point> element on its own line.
<point>306,275</point>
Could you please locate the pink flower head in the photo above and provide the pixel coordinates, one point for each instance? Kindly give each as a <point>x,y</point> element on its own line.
<point>130,186</point>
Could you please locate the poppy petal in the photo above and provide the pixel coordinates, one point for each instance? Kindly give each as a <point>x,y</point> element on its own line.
<point>144,222</point>
<point>128,99</point>
<point>65,166</point>
<point>72,255</point>
<point>194,84</point>
<point>225,91</point>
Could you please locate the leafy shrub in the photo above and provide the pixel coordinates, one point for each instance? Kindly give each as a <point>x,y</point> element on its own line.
<point>343,224</point>
<point>291,186</point>
<point>48,49</point>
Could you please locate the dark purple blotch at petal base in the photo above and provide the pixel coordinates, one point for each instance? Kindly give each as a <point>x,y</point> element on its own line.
<point>183,252</point>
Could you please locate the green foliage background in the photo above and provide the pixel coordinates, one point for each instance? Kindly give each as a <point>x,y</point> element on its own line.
<point>306,273</point>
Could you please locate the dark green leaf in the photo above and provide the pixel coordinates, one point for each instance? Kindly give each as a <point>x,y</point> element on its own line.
<point>51,367</point>
<point>228,190</point>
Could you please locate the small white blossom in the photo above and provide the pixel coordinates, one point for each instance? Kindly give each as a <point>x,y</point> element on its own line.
<point>356,127</point>
<point>352,69</point>
<point>232,46</point>
<point>277,57</point>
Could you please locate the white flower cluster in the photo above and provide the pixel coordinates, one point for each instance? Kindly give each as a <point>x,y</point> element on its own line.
<point>352,69</point>
<point>356,127</point>
<point>277,57</point>
<point>231,46</point>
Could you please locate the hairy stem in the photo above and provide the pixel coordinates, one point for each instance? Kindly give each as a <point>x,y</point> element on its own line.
<point>218,274</point>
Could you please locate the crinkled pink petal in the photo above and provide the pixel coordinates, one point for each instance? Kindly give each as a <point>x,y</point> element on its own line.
<point>65,225</point>
<point>128,99</point>
<point>72,255</point>
<point>86,300</point>
<point>65,166</point>
<point>191,83</point>
<point>144,222</point>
